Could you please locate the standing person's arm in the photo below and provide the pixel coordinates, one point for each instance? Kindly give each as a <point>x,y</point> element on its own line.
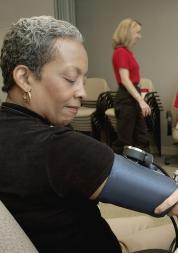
<point>124,73</point>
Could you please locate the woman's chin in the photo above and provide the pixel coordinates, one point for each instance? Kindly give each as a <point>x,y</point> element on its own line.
<point>64,122</point>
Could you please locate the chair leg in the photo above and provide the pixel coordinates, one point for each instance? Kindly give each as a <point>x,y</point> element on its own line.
<point>171,159</point>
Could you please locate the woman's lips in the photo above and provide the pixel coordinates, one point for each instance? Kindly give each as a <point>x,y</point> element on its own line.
<point>72,109</point>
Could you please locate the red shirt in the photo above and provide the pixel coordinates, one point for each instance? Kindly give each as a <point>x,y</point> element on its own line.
<point>124,58</point>
<point>176,101</point>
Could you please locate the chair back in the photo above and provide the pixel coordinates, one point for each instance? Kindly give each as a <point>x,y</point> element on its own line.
<point>12,237</point>
<point>147,84</point>
<point>94,87</point>
<point>83,121</point>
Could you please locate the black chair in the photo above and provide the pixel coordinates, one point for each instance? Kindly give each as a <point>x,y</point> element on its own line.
<point>102,127</point>
<point>154,120</point>
<point>172,116</point>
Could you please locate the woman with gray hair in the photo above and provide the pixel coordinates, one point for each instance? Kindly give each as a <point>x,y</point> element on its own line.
<point>51,177</point>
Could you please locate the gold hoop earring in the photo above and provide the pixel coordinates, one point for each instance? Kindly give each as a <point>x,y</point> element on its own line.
<point>27,96</point>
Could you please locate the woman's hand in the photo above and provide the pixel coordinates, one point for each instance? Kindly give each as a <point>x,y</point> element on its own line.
<point>146,110</point>
<point>172,200</point>
<point>124,73</point>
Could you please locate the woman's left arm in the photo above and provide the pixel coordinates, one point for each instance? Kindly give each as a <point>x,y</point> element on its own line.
<point>124,73</point>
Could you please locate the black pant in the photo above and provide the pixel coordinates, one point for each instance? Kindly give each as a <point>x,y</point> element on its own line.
<point>131,125</point>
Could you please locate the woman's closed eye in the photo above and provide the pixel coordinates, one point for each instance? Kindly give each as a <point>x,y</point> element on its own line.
<point>69,80</point>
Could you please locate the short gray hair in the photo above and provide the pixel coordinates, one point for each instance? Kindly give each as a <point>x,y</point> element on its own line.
<point>30,42</point>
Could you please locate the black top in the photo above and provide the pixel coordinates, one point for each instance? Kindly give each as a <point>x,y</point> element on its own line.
<point>47,174</point>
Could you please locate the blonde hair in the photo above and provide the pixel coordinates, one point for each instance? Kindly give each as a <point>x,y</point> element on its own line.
<point>121,36</point>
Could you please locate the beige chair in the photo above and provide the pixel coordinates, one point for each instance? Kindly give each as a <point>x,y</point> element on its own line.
<point>172,129</point>
<point>146,86</point>
<point>12,238</point>
<point>142,232</point>
<point>94,87</point>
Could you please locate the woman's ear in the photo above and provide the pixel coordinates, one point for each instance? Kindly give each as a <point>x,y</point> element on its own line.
<point>21,77</point>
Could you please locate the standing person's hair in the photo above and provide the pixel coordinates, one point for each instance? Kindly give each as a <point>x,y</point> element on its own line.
<point>31,42</point>
<point>121,36</point>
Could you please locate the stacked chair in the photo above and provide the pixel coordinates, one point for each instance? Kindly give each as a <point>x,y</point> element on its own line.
<point>104,117</point>
<point>154,120</point>
<point>172,130</point>
<point>146,86</point>
<point>83,120</point>
<point>100,122</point>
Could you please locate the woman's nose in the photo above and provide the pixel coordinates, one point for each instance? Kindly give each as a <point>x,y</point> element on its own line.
<point>81,91</point>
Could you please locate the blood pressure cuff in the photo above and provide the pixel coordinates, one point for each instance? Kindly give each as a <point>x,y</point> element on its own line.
<point>136,187</point>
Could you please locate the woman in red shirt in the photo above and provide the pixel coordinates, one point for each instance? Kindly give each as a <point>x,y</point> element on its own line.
<point>130,107</point>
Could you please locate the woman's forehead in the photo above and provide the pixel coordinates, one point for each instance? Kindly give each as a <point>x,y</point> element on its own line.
<point>69,56</point>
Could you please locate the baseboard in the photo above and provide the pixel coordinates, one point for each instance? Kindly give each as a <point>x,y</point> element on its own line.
<point>169,150</point>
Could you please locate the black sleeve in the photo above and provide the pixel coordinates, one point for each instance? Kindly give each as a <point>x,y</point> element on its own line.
<point>78,163</point>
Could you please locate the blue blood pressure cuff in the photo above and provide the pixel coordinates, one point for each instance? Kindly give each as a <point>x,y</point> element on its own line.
<point>136,187</point>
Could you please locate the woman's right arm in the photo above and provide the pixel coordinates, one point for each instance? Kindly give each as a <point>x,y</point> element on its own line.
<point>134,186</point>
<point>124,74</point>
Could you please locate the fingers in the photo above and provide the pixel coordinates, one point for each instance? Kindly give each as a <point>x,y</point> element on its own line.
<point>146,111</point>
<point>169,202</point>
<point>174,211</point>
<point>145,108</point>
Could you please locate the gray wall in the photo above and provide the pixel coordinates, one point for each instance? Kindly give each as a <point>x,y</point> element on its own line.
<point>11,11</point>
<point>157,52</point>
